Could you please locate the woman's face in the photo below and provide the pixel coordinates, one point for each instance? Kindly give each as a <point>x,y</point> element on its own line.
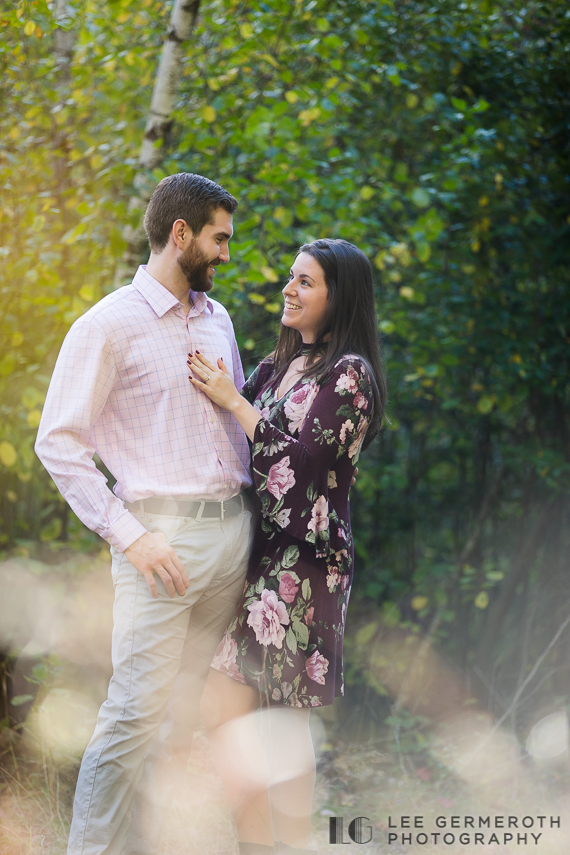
<point>306,297</point>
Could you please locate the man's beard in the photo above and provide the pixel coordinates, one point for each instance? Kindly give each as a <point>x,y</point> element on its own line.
<point>196,268</point>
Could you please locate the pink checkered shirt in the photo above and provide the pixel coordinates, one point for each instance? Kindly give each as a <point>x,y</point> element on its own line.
<point>120,388</point>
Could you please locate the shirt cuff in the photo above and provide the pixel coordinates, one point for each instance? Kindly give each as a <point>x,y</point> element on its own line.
<point>124,531</point>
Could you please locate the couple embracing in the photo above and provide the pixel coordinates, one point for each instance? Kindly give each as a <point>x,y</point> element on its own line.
<point>229,523</point>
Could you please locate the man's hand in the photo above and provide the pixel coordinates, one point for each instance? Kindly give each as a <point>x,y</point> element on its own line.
<point>151,554</point>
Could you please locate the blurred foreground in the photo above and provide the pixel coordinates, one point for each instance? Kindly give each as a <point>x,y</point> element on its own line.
<point>435,752</point>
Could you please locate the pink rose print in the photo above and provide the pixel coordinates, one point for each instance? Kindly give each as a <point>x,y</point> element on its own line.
<point>225,658</point>
<point>268,618</point>
<point>286,689</point>
<point>354,448</point>
<point>360,402</point>
<point>309,615</point>
<point>344,582</point>
<point>333,579</point>
<point>331,481</point>
<point>317,667</point>
<point>315,702</point>
<point>319,518</point>
<point>280,478</point>
<point>287,588</point>
<point>263,411</point>
<point>298,405</point>
<point>348,381</point>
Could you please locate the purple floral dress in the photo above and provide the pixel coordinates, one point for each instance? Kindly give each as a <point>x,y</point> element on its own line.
<point>286,639</point>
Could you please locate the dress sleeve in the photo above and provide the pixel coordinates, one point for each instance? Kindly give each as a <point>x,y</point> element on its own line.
<point>291,475</point>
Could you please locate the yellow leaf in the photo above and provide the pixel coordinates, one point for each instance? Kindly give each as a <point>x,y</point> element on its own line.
<point>11,496</point>
<point>270,274</point>
<point>401,252</point>
<point>407,292</point>
<point>366,192</point>
<point>484,200</point>
<point>86,293</point>
<point>8,454</point>
<point>485,405</point>
<point>291,97</point>
<point>482,600</point>
<point>246,31</point>
<point>379,260</point>
<point>33,418</point>
<point>17,339</point>
<point>209,114</point>
<point>274,308</point>
<point>419,603</point>
<point>29,28</point>
<point>258,299</point>
<point>213,84</point>
<point>412,100</point>
<point>271,60</point>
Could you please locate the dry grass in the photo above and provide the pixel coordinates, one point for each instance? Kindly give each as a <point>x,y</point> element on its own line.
<point>370,780</point>
<point>440,755</point>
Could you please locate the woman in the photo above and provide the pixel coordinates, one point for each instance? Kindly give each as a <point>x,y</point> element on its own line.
<point>307,409</point>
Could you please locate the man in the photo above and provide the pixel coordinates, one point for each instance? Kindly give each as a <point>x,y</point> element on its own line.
<point>178,526</point>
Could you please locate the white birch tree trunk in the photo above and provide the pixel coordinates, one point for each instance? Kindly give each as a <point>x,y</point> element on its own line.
<point>159,123</point>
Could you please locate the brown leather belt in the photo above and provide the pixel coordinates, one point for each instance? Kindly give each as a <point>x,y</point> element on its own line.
<point>194,508</point>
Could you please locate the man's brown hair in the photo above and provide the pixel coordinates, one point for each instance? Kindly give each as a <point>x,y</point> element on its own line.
<point>183,196</point>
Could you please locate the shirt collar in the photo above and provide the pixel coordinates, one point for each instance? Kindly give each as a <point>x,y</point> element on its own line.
<point>161,300</point>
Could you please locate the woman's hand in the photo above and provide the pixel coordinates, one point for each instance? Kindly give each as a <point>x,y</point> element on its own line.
<point>220,388</point>
<point>214,381</point>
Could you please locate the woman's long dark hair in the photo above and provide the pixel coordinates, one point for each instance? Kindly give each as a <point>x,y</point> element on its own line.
<point>350,324</point>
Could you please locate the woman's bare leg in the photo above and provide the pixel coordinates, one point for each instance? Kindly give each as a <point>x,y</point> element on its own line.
<point>292,768</point>
<point>228,709</point>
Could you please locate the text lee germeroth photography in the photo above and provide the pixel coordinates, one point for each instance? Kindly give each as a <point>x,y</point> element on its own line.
<point>477,830</point>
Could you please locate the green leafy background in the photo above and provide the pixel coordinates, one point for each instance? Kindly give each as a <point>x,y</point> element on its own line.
<point>436,137</point>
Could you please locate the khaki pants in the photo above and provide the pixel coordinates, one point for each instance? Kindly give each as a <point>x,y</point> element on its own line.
<point>161,653</point>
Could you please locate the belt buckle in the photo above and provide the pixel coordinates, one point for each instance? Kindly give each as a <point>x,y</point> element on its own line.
<point>222,515</point>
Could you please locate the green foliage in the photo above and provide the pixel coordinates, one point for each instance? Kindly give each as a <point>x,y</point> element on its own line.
<point>433,136</point>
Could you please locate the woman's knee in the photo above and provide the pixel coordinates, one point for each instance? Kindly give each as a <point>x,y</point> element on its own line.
<point>225,699</point>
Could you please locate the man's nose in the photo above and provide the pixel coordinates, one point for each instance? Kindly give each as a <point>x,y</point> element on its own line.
<point>224,255</point>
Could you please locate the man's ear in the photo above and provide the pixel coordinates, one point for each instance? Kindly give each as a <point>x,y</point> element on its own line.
<point>181,234</point>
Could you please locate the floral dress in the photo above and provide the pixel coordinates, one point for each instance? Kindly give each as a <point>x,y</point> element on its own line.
<point>286,639</point>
